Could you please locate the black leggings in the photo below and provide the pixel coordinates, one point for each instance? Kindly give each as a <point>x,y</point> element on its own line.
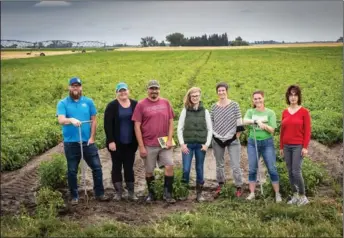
<point>124,156</point>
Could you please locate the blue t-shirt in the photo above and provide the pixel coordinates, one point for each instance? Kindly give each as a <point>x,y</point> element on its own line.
<point>126,123</point>
<point>82,110</point>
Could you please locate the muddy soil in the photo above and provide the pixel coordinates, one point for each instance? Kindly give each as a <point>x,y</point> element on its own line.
<point>18,187</point>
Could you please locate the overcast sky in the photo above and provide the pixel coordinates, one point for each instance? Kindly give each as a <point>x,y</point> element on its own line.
<point>127,22</point>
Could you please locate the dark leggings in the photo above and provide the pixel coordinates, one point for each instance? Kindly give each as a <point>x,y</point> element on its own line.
<point>124,156</point>
<point>293,159</point>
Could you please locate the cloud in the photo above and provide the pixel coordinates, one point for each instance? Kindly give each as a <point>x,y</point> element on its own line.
<point>125,28</point>
<point>246,11</point>
<point>52,4</point>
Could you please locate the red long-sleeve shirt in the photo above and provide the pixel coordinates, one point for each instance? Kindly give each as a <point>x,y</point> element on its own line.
<point>295,128</point>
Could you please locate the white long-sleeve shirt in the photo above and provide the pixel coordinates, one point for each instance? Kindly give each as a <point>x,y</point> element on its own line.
<point>181,127</point>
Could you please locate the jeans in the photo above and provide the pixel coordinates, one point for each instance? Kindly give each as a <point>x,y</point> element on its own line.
<point>187,161</point>
<point>91,156</point>
<point>123,157</point>
<point>267,150</point>
<point>293,159</point>
<point>234,150</point>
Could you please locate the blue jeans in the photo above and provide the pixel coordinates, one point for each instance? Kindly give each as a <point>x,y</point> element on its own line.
<point>187,161</point>
<point>91,156</point>
<point>267,150</point>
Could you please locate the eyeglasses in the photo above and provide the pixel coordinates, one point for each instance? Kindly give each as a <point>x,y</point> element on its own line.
<point>195,96</point>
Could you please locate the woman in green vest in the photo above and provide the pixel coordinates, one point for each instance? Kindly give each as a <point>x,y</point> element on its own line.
<point>264,122</point>
<point>194,135</point>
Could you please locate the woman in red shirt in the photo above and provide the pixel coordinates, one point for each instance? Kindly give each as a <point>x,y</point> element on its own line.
<point>294,139</point>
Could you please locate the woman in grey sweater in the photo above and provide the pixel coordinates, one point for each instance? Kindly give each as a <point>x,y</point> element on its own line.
<point>227,126</point>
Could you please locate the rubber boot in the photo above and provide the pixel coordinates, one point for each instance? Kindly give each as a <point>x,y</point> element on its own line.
<point>151,194</point>
<point>131,193</point>
<point>119,191</point>
<point>168,188</point>
<point>199,189</point>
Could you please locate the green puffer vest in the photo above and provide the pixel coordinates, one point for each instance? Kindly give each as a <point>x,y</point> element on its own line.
<point>195,126</point>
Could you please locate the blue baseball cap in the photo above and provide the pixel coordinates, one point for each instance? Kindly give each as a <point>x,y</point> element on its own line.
<point>74,80</point>
<point>121,86</point>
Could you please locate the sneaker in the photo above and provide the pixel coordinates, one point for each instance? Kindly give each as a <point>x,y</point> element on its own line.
<point>170,200</point>
<point>238,192</point>
<point>132,197</point>
<point>74,201</point>
<point>251,196</point>
<point>303,201</point>
<point>103,198</point>
<point>217,192</point>
<point>278,197</point>
<point>294,200</point>
<point>117,197</point>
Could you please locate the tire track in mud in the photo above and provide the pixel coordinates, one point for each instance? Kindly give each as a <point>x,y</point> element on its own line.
<point>18,187</point>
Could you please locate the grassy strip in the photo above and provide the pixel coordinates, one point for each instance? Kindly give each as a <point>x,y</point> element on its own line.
<point>225,218</point>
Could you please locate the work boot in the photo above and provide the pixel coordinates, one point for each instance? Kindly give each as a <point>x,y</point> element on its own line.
<point>119,190</point>
<point>199,188</point>
<point>168,196</point>
<point>131,194</point>
<point>151,194</point>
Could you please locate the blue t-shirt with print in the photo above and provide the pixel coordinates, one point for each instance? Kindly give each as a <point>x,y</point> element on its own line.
<point>82,110</point>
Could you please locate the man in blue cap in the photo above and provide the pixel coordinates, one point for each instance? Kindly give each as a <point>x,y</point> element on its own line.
<point>71,112</point>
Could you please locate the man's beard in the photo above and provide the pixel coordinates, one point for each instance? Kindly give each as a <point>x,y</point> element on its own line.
<point>75,96</point>
<point>153,95</point>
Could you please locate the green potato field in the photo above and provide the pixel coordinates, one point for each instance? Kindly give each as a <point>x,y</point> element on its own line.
<point>31,88</point>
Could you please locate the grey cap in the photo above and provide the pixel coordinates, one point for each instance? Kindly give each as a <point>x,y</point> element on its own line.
<point>153,83</point>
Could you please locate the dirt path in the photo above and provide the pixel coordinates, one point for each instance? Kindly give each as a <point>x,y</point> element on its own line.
<point>19,186</point>
<point>331,157</point>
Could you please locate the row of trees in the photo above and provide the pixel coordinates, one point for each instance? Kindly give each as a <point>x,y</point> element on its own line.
<point>178,39</point>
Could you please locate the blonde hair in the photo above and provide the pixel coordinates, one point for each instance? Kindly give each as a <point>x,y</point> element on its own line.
<point>187,98</point>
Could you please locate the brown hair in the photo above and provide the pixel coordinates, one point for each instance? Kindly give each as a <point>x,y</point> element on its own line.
<point>261,92</point>
<point>222,84</point>
<point>187,98</point>
<point>296,89</point>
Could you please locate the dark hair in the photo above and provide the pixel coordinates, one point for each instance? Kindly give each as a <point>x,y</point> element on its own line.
<point>222,84</point>
<point>296,89</point>
<point>261,92</point>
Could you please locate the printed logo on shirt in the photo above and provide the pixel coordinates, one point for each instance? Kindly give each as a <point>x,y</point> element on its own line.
<point>155,108</point>
<point>261,118</point>
<point>84,105</point>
